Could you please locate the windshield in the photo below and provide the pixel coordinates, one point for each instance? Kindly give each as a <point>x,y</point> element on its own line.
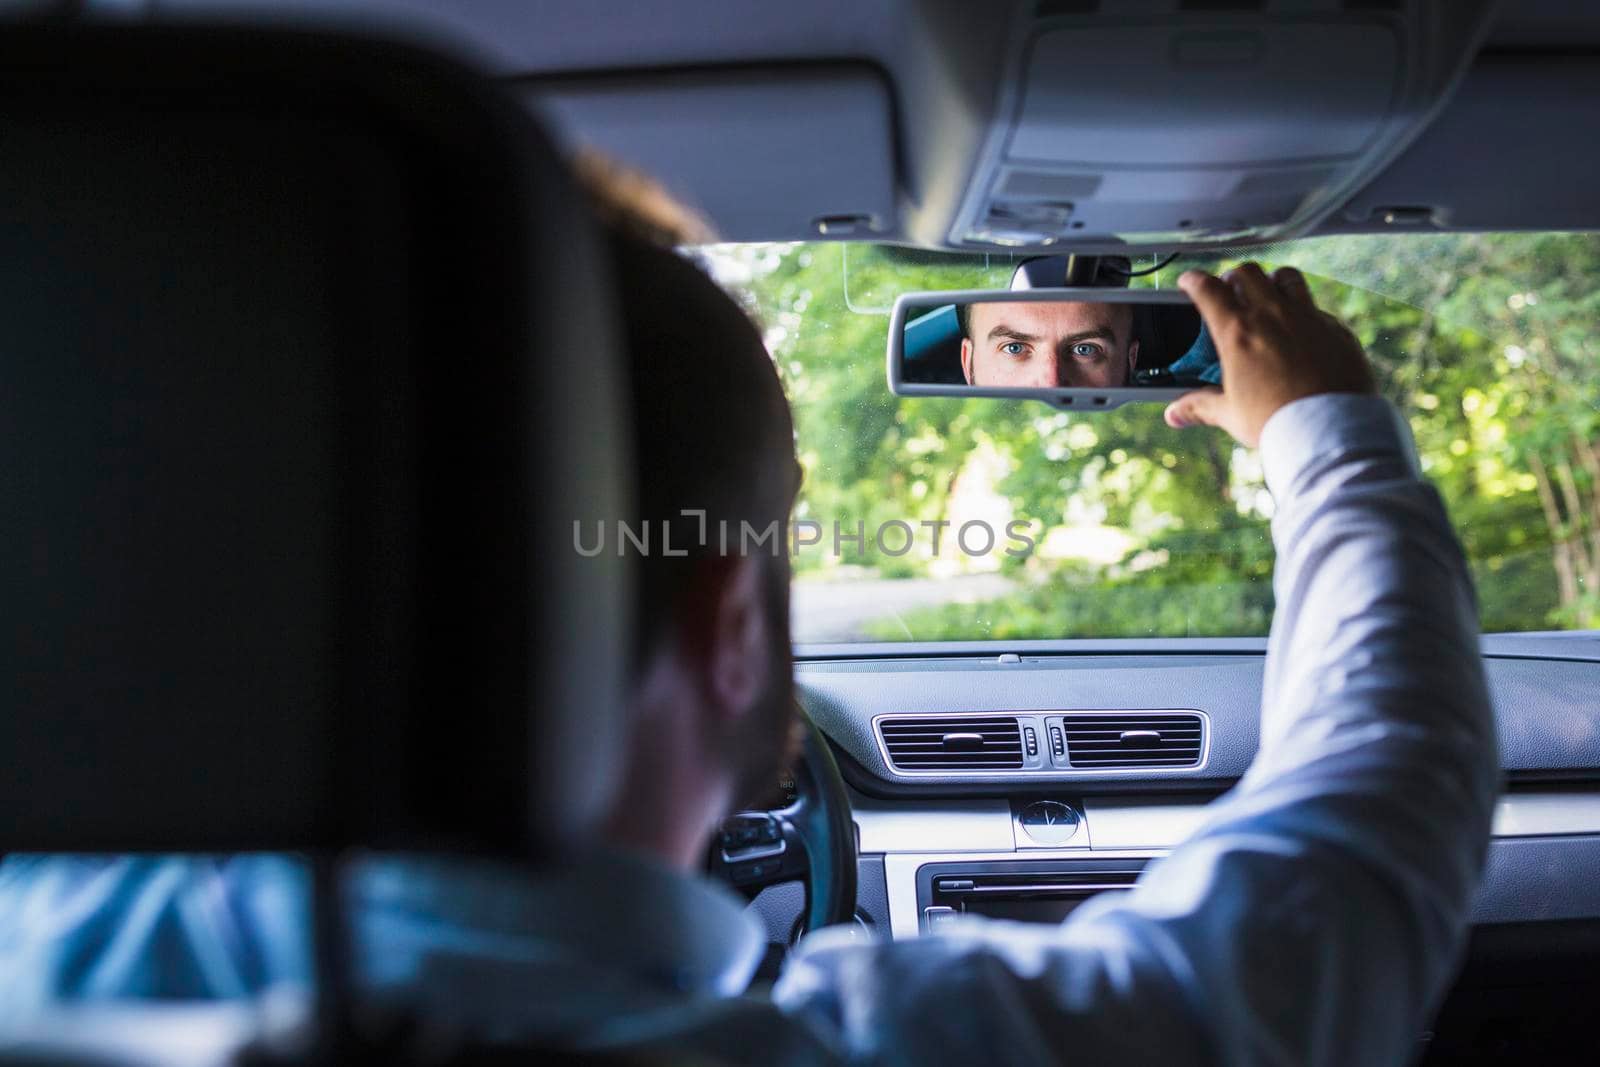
<point>942,518</point>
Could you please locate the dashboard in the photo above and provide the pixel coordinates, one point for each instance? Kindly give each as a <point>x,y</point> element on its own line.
<point>1033,832</point>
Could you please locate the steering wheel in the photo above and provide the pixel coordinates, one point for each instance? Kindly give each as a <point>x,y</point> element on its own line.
<point>811,840</point>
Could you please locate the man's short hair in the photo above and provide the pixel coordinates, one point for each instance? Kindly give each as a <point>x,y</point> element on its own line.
<point>631,202</point>
<point>964,317</point>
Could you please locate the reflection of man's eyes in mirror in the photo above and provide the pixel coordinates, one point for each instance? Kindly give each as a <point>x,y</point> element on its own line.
<point>1048,345</point>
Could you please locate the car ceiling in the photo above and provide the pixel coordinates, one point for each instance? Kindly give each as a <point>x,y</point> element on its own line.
<point>771,117</point>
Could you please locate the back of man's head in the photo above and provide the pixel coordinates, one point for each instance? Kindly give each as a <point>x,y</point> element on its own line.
<point>716,475</point>
<point>711,424</point>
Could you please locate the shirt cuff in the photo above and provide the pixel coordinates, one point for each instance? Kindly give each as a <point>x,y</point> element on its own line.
<point>1318,427</point>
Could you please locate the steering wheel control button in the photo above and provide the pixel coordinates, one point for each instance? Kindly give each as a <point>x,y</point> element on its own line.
<point>763,831</point>
<point>748,830</point>
<point>1048,823</point>
<point>751,837</point>
<point>938,915</point>
<point>753,871</point>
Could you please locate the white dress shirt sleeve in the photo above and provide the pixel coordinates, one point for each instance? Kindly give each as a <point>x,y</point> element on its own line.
<point>1317,916</point>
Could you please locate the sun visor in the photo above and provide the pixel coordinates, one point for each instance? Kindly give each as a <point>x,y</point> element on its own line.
<point>818,139</point>
<point>1206,125</point>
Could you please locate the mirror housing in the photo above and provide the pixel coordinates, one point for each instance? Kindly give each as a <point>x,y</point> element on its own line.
<point>1093,349</point>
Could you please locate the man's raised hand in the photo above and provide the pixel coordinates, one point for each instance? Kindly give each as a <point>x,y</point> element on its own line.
<point>1275,346</point>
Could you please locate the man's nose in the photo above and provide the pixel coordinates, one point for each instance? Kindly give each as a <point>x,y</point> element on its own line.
<point>1048,370</point>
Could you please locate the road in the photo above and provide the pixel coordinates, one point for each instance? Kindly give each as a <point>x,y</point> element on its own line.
<point>838,611</point>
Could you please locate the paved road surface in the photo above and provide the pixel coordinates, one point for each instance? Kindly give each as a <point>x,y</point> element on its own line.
<point>838,610</point>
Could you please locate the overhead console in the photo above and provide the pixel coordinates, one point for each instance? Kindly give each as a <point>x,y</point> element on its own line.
<point>1205,122</point>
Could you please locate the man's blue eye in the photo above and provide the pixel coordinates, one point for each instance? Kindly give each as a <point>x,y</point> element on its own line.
<point>1084,350</point>
<point>1013,348</point>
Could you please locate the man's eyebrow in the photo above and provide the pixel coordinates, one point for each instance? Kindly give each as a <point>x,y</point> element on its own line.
<point>1007,331</point>
<point>1104,332</point>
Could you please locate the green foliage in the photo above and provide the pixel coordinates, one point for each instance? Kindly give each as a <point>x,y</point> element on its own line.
<point>1485,342</point>
<point>1209,593</point>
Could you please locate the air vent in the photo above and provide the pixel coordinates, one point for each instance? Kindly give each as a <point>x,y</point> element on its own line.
<point>1126,740</point>
<point>955,743</point>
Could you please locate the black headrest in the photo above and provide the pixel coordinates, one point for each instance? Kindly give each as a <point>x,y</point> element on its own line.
<point>308,372</point>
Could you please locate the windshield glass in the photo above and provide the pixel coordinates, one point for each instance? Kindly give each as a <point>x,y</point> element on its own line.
<point>944,518</point>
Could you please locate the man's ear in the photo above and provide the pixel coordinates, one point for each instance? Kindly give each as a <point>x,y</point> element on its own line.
<point>1133,356</point>
<point>730,645</point>
<point>966,359</point>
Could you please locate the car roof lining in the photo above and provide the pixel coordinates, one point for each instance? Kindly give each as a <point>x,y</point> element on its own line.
<point>1519,121</point>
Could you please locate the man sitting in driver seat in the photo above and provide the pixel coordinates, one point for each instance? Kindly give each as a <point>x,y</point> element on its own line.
<point>1315,919</point>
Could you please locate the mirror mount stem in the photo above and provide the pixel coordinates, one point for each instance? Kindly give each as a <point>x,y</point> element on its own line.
<point>1072,271</point>
<point>1083,271</point>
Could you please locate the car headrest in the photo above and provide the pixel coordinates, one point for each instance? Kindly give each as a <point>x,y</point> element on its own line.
<point>310,367</point>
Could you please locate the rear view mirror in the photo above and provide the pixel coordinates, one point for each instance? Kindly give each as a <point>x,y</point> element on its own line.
<point>1097,348</point>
